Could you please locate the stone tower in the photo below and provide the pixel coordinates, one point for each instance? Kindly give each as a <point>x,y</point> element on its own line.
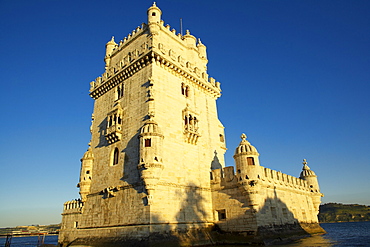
<point>154,171</point>
<point>155,136</point>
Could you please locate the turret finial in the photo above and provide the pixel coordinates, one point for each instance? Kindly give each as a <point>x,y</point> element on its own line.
<point>304,162</point>
<point>154,4</point>
<point>243,137</point>
<point>151,115</point>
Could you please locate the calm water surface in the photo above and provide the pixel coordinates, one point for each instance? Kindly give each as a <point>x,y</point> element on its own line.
<point>348,234</point>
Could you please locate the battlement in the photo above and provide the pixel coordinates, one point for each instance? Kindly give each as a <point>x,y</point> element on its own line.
<point>74,206</point>
<point>279,178</point>
<point>130,37</point>
<point>183,54</point>
<point>226,177</point>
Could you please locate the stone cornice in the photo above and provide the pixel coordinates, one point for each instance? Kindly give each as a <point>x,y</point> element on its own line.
<point>145,60</point>
<point>207,86</point>
<point>120,76</point>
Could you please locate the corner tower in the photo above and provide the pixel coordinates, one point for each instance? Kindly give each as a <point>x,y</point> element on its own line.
<point>155,135</point>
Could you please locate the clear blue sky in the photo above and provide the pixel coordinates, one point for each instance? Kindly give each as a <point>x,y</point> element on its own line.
<point>294,74</point>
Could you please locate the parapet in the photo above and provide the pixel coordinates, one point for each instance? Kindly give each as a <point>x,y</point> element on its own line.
<point>268,177</point>
<point>74,206</point>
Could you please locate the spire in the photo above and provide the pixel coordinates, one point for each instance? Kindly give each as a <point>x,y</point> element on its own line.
<point>305,166</point>
<point>306,170</point>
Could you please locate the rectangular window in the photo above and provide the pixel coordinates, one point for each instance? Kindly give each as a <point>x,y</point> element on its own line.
<point>250,161</point>
<point>221,214</point>
<point>75,224</point>
<point>148,142</point>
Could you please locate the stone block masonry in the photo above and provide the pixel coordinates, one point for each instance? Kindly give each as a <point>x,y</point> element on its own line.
<point>154,171</point>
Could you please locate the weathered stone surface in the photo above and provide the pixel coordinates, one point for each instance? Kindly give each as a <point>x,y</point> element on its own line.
<point>154,172</point>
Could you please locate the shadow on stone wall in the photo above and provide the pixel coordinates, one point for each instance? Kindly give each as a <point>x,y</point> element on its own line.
<point>130,162</point>
<point>262,223</point>
<point>102,131</point>
<point>215,162</point>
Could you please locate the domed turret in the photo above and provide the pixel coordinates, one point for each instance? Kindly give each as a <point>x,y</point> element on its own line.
<point>247,161</point>
<point>154,19</point>
<point>189,39</point>
<point>248,171</point>
<point>109,47</point>
<point>154,14</point>
<point>202,49</point>
<point>310,176</point>
<point>150,165</point>
<point>86,173</point>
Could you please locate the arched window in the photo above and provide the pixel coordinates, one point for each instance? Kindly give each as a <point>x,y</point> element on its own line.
<point>115,156</point>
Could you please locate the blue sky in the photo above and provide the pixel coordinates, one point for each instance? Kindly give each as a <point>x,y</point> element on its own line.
<point>294,74</point>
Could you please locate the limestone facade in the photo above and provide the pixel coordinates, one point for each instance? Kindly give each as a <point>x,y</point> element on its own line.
<point>155,163</point>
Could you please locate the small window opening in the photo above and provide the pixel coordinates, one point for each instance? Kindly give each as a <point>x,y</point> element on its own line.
<point>222,138</point>
<point>184,90</point>
<point>148,142</point>
<point>211,175</point>
<point>153,14</point>
<point>88,172</point>
<point>120,90</point>
<point>246,177</point>
<point>221,214</point>
<point>75,224</point>
<point>155,158</point>
<point>115,156</point>
<point>238,170</point>
<point>250,161</point>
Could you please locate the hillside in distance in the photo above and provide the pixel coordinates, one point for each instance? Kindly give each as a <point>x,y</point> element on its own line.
<point>337,212</point>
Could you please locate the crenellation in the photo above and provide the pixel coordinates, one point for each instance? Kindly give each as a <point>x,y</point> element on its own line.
<point>155,164</point>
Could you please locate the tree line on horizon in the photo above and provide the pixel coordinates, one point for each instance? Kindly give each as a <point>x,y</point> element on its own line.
<point>338,212</point>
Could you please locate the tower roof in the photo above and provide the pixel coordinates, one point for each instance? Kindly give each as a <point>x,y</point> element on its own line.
<point>88,154</point>
<point>306,170</point>
<point>154,6</point>
<point>150,127</point>
<point>245,147</point>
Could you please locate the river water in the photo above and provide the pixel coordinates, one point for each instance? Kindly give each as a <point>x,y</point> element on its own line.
<point>347,234</point>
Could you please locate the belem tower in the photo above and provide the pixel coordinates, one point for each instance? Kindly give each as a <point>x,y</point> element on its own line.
<point>154,171</point>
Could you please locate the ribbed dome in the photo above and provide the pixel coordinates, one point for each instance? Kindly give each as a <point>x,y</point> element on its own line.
<point>88,154</point>
<point>245,147</point>
<point>306,171</point>
<point>150,127</point>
